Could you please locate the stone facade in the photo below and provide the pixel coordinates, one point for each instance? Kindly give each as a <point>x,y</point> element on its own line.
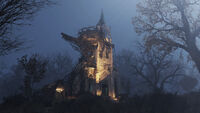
<point>94,72</point>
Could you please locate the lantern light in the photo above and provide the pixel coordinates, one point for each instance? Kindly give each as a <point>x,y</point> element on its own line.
<point>59,89</point>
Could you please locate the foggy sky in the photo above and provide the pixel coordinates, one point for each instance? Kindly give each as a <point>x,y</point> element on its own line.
<point>43,36</point>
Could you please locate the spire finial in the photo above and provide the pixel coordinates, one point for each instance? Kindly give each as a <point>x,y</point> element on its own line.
<point>101,21</point>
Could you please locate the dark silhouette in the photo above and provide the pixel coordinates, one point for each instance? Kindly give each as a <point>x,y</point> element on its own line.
<point>14,13</point>
<point>34,68</point>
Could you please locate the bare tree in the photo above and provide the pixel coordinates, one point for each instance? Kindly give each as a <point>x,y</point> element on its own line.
<point>122,62</point>
<point>169,25</point>
<point>13,13</point>
<point>34,68</point>
<point>156,69</point>
<point>59,66</point>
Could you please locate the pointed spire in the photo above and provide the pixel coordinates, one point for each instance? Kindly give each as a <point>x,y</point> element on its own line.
<point>101,21</point>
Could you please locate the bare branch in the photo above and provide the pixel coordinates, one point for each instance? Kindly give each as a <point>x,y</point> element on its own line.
<point>153,67</point>
<point>169,25</point>
<point>13,13</point>
<point>181,7</point>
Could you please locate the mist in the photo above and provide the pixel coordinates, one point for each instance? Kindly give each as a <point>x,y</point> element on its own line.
<point>99,56</point>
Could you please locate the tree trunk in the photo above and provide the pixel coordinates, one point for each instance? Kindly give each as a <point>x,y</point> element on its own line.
<point>194,53</point>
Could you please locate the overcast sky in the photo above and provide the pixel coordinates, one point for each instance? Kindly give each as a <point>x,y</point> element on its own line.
<point>71,15</point>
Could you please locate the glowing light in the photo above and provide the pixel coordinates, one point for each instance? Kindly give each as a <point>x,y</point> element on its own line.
<point>99,92</point>
<point>97,78</point>
<point>115,99</point>
<point>113,95</point>
<point>102,62</point>
<point>59,89</point>
<point>91,72</point>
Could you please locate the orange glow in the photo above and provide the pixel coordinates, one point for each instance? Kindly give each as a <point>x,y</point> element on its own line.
<point>91,72</point>
<point>59,89</point>
<point>113,95</point>
<point>103,63</point>
<point>95,45</point>
<point>115,99</point>
<point>99,92</point>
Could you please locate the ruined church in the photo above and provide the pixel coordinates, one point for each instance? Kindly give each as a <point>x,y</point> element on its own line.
<point>94,72</point>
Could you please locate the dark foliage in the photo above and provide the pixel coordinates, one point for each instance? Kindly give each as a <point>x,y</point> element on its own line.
<point>34,68</point>
<point>151,103</point>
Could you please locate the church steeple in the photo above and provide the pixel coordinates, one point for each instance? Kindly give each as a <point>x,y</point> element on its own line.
<point>102,27</point>
<point>101,21</point>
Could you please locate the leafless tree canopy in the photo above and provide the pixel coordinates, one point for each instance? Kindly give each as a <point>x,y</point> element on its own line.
<point>35,68</point>
<point>13,13</point>
<point>157,69</point>
<point>169,25</point>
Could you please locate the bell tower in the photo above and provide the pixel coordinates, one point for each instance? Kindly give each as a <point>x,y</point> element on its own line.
<point>96,62</point>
